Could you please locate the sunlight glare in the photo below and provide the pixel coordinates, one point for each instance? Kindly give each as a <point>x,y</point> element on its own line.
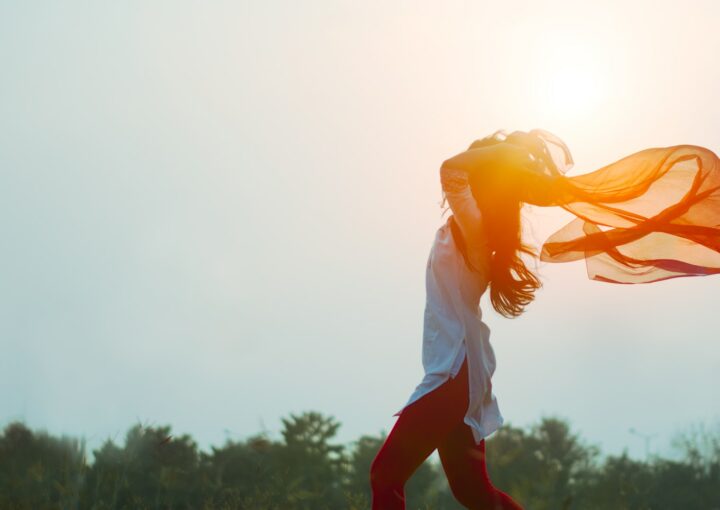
<point>571,89</point>
<point>571,78</point>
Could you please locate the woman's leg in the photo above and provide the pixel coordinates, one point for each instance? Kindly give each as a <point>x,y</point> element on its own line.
<point>464,464</point>
<point>418,431</point>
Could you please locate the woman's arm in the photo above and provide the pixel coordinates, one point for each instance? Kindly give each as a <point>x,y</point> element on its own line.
<point>456,174</point>
<point>465,211</point>
<point>478,159</point>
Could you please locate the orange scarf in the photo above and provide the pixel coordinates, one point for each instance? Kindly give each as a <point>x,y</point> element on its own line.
<point>649,216</point>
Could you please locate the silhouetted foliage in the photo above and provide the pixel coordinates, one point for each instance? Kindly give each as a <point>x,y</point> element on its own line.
<point>153,469</point>
<point>540,467</point>
<point>39,471</point>
<point>544,467</point>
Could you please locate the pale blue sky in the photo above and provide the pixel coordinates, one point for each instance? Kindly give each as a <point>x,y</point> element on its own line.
<point>218,213</point>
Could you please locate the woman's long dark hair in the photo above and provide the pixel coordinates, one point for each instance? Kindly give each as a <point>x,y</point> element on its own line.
<point>512,283</point>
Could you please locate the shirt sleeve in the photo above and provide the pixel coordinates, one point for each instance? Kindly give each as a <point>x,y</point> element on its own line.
<point>462,203</point>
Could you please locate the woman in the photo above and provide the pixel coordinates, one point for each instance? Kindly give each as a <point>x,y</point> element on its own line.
<point>651,216</point>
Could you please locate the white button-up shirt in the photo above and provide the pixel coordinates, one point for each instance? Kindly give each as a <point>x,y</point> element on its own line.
<point>453,326</point>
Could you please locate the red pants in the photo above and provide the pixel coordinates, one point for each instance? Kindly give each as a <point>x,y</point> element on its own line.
<point>433,421</point>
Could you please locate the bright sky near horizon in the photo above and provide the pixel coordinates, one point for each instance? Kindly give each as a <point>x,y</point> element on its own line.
<point>215,214</point>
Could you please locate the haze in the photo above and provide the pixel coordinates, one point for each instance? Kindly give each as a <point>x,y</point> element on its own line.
<point>218,213</point>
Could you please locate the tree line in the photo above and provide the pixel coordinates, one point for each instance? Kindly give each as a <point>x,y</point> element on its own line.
<point>546,466</point>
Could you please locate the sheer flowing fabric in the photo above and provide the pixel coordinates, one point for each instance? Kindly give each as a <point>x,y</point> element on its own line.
<point>650,216</point>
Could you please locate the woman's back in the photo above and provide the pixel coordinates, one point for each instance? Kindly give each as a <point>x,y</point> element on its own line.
<point>453,328</point>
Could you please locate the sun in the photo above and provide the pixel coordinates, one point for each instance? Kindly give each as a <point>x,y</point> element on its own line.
<point>571,89</point>
<point>570,78</point>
